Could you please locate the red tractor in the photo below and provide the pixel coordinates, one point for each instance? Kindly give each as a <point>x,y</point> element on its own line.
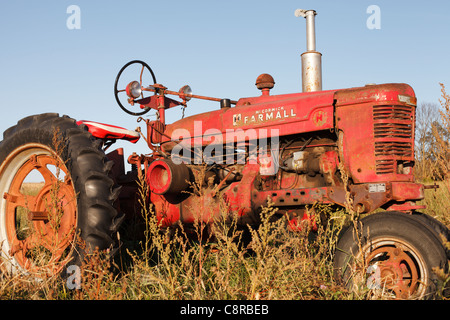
<point>350,148</point>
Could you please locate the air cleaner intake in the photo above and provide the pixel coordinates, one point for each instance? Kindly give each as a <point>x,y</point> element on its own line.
<point>165,177</point>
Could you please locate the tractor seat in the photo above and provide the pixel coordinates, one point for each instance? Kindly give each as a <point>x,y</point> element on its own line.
<point>110,132</point>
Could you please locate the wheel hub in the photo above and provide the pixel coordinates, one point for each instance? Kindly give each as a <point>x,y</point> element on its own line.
<point>393,270</point>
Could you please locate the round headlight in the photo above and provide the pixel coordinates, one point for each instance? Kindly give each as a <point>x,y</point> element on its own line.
<point>184,91</point>
<point>134,89</point>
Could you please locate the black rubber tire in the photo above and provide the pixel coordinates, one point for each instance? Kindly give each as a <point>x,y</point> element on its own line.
<point>438,227</point>
<point>399,226</point>
<point>97,218</point>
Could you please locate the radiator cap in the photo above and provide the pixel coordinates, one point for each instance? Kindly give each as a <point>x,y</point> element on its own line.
<point>265,81</point>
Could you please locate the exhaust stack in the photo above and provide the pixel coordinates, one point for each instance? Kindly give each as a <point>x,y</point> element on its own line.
<point>311,59</point>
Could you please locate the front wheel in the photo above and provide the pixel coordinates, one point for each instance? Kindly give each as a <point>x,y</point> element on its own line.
<point>56,199</point>
<point>392,256</point>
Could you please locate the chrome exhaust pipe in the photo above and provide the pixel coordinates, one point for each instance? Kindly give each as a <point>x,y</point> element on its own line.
<point>311,59</point>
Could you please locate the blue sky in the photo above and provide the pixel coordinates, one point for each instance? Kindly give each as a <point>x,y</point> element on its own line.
<point>217,47</point>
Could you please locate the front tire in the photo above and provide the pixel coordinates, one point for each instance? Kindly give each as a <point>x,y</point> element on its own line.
<point>39,229</point>
<point>391,254</point>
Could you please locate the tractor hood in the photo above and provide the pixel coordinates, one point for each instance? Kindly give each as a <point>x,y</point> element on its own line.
<point>265,115</point>
<point>280,115</point>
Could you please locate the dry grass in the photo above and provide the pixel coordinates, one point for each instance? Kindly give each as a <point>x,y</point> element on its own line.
<point>438,202</point>
<point>276,264</point>
<point>436,158</point>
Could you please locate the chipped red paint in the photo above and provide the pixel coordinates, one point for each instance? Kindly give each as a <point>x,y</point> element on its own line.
<point>374,136</point>
<point>289,114</point>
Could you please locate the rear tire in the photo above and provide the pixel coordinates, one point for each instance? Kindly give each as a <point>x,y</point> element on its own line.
<point>394,257</point>
<point>438,227</point>
<point>77,196</point>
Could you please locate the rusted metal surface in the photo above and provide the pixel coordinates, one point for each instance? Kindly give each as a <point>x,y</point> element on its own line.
<point>311,71</point>
<point>374,116</point>
<point>403,191</point>
<point>285,114</point>
<point>38,216</point>
<point>397,272</point>
<point>158,88</point>
<point>155,131</point>
<point>166,177</point>
<point>376,94</point>
<point>52,215</point>
<point>265,82</point>
<point>432,186</point>
<point>372,129</point>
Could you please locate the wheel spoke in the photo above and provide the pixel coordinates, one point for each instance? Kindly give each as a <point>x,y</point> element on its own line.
<point>140,76</point>
<point>398,272</point>
<point>39,225</point>
<point>23,246</point>
<point>20,200</point>
<point>47,174</point>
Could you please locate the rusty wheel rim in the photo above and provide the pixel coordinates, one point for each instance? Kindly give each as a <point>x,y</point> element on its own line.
<point>394,269</point>
<point>39,228</point>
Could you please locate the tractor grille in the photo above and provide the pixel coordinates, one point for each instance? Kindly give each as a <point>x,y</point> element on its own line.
<point>397,149</point>
<point>395,130</point>
<point>394,136</point>
<point>392,112</point>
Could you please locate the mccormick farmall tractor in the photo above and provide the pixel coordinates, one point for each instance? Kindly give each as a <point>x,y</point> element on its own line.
<point>349,148</point>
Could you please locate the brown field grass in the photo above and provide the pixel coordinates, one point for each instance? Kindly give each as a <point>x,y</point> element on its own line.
<point>278,264</point>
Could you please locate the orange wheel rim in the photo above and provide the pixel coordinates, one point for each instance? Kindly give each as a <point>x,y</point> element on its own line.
<point>396,268</point>
<point>397,272</point>
<point>50,216</point>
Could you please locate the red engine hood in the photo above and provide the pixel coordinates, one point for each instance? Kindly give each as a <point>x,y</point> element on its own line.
<point>287,114</point>
<point>279,115</point>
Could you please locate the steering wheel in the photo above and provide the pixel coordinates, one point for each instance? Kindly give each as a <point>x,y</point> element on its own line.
<point>116,91</point>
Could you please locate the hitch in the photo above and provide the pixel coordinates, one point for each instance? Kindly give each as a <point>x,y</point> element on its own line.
<point>431,186</point>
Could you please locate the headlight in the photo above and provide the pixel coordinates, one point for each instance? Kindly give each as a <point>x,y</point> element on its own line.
<point>184,91</point>
<point>134,89</point>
